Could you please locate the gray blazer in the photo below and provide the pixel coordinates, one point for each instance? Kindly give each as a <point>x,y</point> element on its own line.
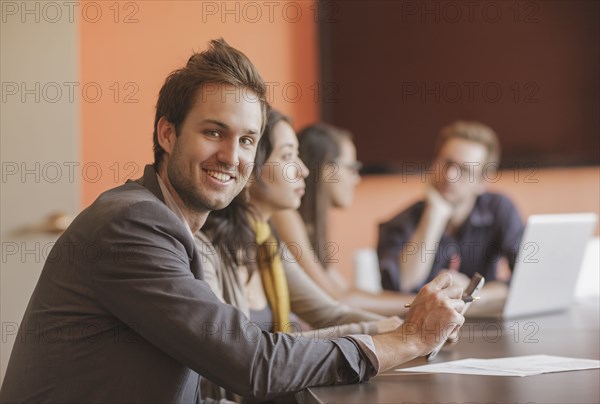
<point>121,314</point>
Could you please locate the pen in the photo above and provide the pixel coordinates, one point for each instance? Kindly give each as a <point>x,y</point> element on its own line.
<point>466,299</point>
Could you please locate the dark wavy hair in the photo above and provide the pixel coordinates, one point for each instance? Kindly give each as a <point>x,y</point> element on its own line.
<point>219,64</point>
<point>319,147</point>
<point>230,229</point>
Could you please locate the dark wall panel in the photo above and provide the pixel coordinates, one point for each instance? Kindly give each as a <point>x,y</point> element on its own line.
<point>395,72</point>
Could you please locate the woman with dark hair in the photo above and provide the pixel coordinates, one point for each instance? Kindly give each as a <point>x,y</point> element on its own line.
<point>248,266</point>
<point>331,156</point>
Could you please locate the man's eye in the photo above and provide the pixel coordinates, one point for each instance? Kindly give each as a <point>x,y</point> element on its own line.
<point>212,133</point>
<point>247,141</point>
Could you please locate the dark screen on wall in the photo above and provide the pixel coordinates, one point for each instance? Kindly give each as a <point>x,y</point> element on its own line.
<point>395,72</point>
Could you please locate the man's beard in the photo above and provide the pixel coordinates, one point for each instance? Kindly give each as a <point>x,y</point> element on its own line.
<point>187,191</point>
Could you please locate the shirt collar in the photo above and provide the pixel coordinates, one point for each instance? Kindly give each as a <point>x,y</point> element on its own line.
<point>170,202</point>
<point>479,216</point>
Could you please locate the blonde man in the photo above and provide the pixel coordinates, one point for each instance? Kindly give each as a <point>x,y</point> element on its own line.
<point>459,226</point>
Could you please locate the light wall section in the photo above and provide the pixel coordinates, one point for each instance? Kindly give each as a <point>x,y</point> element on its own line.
<point>128,53</point>
<point>39,137</point>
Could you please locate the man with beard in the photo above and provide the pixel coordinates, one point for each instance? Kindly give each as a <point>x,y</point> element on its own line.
<point>134,322</point>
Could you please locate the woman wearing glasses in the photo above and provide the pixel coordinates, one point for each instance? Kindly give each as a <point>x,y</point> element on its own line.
<point>330,155</point>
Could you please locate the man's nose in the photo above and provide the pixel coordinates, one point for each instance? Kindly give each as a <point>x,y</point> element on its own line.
<point>451,173</point>
<point>228,153</point>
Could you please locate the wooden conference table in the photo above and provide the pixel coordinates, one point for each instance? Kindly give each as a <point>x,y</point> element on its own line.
<point>573,333</point>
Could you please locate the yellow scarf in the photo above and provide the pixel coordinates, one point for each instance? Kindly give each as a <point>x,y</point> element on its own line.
<point>273,276</point>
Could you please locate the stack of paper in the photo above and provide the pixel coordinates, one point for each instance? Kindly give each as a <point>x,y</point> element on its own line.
<point>514,366</point>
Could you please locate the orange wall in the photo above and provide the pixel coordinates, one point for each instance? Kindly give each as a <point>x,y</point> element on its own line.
<point>138,46</point>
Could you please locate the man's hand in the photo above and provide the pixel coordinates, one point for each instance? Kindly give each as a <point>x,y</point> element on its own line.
<point>434,315</point>
<point>439,208</point>
<point>458,278</point>
<point>415,268</point>
<point>388,324</point>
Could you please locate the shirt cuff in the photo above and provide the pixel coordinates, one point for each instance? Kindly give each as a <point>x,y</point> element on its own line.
<point>365,343</point>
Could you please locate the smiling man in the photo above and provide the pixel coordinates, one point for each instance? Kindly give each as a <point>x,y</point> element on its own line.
<point>459,226</point>
<point>133,321</point>
<point>206,160</point>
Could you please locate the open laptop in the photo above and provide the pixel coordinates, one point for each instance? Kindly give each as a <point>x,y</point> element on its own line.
<point>548,265</point>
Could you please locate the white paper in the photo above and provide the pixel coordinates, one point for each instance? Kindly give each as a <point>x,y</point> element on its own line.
<point>513,366</point>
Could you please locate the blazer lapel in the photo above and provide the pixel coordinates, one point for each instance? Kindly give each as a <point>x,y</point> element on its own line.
<point>150,181</point>
<point>195,265</point>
